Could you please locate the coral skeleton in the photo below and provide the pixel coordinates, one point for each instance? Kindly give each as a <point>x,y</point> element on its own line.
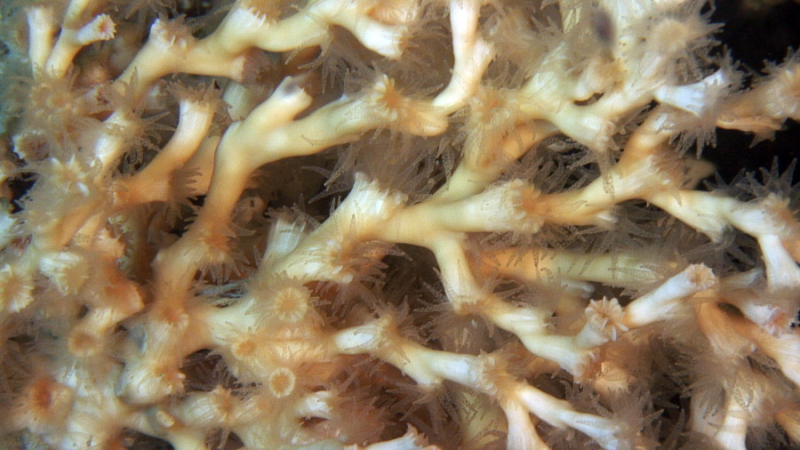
<point>390,224</point>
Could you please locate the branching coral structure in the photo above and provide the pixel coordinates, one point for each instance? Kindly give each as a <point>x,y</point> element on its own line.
<point>398,224</point>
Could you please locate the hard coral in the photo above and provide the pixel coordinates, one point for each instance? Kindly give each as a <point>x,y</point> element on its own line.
<point>403,224</point>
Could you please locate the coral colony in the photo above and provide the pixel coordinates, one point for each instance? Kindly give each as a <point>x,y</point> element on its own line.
<point>402,224</point>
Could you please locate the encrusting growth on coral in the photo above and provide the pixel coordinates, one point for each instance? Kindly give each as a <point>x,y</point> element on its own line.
<point>403,224</point>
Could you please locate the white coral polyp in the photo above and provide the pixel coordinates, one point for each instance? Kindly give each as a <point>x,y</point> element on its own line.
<point>16,289</point>
<point>66,270</point>
<point>368,201</point>
<point>504,207</point>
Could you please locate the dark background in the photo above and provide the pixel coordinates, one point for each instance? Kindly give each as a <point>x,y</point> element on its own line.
<point>753,37</point>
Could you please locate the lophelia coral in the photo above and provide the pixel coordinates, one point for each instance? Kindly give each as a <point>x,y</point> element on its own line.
<point>396,224</point>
